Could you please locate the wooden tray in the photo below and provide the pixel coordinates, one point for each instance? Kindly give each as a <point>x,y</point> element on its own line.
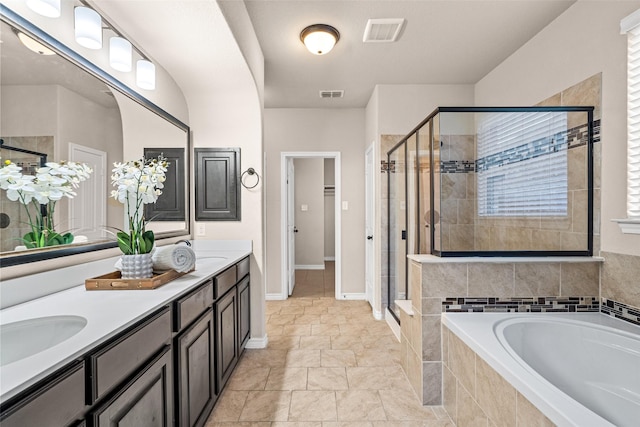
<point>113,281</point>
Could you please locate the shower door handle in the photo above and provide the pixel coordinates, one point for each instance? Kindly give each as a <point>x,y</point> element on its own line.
<point>369,237</point>
<point>404,234</point>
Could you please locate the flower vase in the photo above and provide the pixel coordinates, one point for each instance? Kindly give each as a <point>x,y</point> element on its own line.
<point>138,266</point>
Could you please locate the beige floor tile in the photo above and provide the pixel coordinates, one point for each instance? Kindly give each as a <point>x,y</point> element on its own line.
<point>358,405</point>
<point>367,378</point>
<point>266,406</point>
<point>313,406</point>
<point>303,358</point>
<point>375,357</point>
<point>287,379</point>
<point>248,379</point>
<point>325,329</point>
<point>229,406</point>
<point>346,342</point>
<point>293,309</point>
<point>274,330</point>
<point>284,342</point>
<point>296,329</point>
<point>239,424</point>
<point>316,342</point>
<point>315,310</point>
<point>282,319</point>
<point>327,379</point>
<point>403,405</point>
<point>264,358</point>
<point>347,424</point>
<point>332,319</point>
<point>296,424</point>
<point>337,358</point>
<point>307,319</point>
<point>424,423</point>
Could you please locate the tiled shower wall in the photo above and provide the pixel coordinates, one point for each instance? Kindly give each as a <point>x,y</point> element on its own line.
<point>464,230</point>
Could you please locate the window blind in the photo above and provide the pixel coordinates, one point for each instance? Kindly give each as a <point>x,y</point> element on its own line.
<point>522,164</point>
<point>633,122</point>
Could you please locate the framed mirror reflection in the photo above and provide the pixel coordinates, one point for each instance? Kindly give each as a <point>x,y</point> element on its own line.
<point>61,105</point>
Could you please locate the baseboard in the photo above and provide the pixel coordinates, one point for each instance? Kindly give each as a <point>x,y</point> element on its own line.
<point>377,314</point>
<point>274,297</point>
<point>354,296</point>
<point>395,326</point>
<point>310,267</point>
<point>258,342</point>
<point>329,258</point>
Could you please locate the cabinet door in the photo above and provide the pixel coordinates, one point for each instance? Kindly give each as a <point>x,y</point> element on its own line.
<point>145,401</point>
<point>226,337</point>
<point>217,184</point>
<point>56,403</point>
<point>244,314</point>
<point>195,372</point>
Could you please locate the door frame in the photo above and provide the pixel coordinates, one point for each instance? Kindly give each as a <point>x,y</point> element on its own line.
<point>370,227</point>
<point>285,157</point>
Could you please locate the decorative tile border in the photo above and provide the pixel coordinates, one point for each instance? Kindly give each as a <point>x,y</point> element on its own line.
<point>620,311</point>
<point>520,305</point>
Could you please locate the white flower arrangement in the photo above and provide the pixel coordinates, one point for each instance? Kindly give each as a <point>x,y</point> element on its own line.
<point>137,182</point>
<point>50,184</point>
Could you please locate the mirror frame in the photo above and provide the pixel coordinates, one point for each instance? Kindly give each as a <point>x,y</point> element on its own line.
<point>23,25</point>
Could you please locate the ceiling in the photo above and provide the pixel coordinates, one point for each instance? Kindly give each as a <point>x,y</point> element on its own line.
<point>443,42</point>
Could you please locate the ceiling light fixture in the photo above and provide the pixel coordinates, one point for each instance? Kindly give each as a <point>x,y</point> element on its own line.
<point>88,25</point>
<point>145,74</point>
<point>33,45</point>
<point>319,38</point>
<point>120,51</point>
<point>48,8</point>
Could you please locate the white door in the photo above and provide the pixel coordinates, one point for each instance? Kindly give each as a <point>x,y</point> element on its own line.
<point>291,226</point>
<point>369,224</point>
<point>88,209</point>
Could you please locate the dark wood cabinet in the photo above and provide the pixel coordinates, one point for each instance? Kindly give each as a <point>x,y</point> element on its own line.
<point>195,372</point>
<point>244,314</point>
<point>226,311</point>
<point>58,402</point>
<point>172,203</point>
<point>217,184</point>
<point>144,401</point>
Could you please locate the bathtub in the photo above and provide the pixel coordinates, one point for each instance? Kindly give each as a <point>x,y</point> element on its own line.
<point>578,369</point>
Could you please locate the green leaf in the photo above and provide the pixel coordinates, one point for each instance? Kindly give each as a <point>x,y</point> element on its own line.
<point>124,243</point>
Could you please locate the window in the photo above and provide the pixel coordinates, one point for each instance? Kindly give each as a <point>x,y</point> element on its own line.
<point>631,26</point>
<point>522,164</point>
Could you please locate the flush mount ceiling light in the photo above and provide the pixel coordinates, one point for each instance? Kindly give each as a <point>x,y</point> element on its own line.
<point>88,27</point>
<point>145,74</point>
<point>33,45</point>
<point>48,8</point>
<point>319,38</point>
<point>120,51</point>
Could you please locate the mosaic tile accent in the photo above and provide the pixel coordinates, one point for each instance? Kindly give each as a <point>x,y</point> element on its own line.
<point>387,166</point>
<point>572,138</point>
<point>620,311</point>
<point>520,305</point>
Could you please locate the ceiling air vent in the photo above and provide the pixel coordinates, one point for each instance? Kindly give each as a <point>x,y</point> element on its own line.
<point>331,93</point>
<point>382,30</point>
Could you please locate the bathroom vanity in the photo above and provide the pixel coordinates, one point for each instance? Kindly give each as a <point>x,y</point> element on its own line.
<point>149,357</point>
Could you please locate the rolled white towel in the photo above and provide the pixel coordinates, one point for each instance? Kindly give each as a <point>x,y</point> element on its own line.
<point>180,258</point>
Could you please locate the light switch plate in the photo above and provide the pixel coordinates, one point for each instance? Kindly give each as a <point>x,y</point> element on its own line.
<point>345,205</point>
<point>201,229</point>
<point>304,208</point>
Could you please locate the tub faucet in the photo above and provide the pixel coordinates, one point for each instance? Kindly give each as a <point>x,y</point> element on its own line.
<point>188,243</point>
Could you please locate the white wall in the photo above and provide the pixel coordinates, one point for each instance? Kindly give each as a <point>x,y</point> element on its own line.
<point>329,211</point>
<point>288,130</point>
<point>309,191</point>
<point>583,41</point>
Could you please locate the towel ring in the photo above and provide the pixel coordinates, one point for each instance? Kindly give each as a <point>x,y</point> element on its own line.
<point>251,172</point>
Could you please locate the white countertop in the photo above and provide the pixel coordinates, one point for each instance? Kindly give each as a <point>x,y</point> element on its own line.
<point>107,314</point>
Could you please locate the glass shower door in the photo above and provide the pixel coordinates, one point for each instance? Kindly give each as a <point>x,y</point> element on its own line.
<point>397,231</point>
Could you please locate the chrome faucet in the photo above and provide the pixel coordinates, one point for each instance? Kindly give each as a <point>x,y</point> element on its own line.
<point>183,241</point>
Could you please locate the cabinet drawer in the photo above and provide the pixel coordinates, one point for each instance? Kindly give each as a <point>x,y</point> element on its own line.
<point>118,360</point>
<point>225,281</point>
<point>189,307</point>
<point>243,268</point>
<point>55,404</point>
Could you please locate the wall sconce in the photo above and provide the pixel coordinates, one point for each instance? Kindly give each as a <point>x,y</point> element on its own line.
<point>88,27</point>
<point>120,51</point>
<point>145,74</point>
<point>319,38</point>
<point>48,8</point>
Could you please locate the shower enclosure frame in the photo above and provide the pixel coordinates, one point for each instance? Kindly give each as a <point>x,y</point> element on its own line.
<point>432,220</point>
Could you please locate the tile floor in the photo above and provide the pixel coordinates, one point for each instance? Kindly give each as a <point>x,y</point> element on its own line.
<point>328,363</point>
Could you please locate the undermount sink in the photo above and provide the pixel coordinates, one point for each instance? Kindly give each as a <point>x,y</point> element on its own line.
<point>25,338</point>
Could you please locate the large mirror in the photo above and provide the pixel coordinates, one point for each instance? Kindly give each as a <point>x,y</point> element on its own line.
<point>59,107</point>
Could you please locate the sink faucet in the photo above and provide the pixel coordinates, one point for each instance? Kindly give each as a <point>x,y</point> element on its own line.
<point>188,243</point>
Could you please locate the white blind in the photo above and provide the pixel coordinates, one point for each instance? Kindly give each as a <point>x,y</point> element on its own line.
<point>633,123</point>
<point>522,164</point>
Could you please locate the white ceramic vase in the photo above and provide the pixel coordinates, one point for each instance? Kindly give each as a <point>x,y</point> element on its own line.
<point>137,266</point>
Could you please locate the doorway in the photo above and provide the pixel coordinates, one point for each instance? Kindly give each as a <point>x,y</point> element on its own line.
<point>288,219</point>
